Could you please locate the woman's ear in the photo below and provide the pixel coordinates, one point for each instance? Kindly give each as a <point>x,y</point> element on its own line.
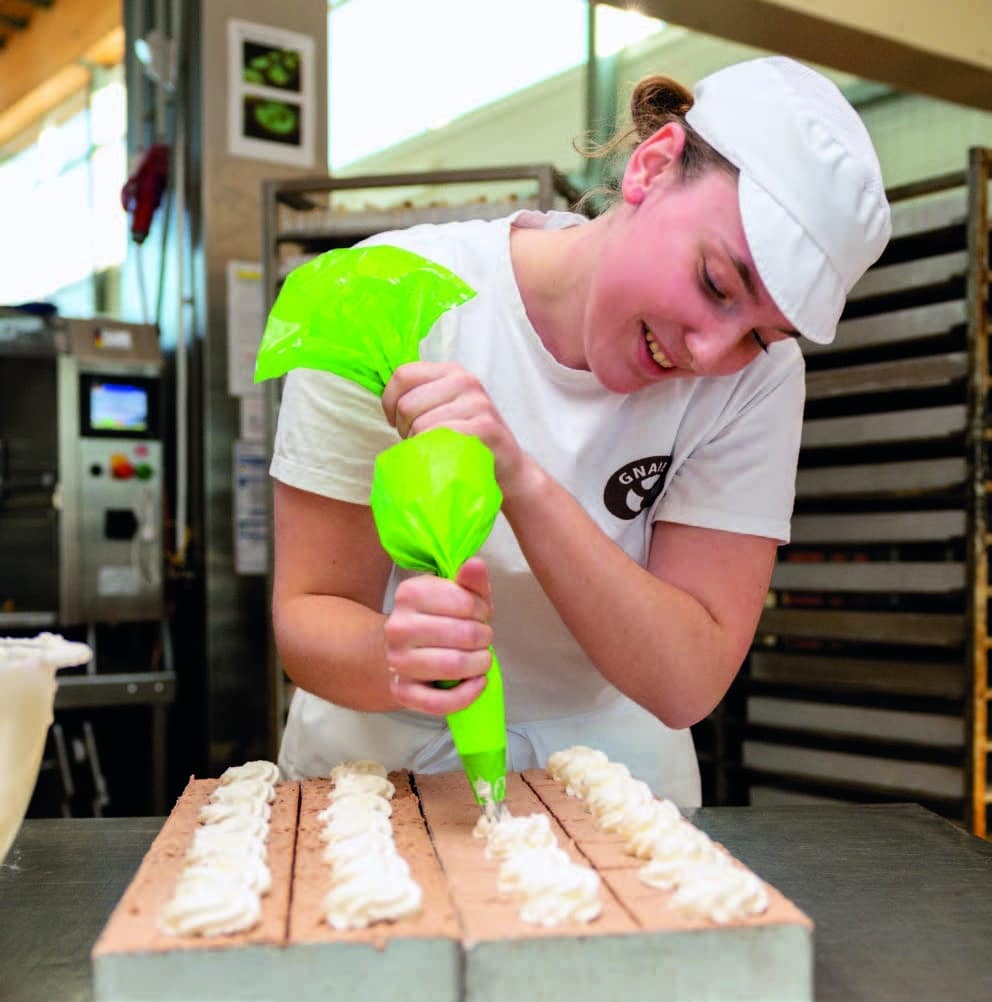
<point>651,159</point>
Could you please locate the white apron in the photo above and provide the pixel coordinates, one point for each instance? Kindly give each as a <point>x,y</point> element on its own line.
<point>320,734</point>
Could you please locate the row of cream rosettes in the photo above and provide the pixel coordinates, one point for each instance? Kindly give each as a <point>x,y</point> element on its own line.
<point>370,880</point>
<point>536,873</point>
<point>706,881</point>
<point>225,873</point>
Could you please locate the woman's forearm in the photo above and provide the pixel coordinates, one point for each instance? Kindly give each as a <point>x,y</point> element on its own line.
<point>654,641</point>
<point>334,648</point>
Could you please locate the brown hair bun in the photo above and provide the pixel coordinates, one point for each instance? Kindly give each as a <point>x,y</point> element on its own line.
<point>657,99</point>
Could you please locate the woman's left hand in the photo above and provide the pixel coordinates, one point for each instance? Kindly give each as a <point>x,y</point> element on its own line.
<point>424,395</point>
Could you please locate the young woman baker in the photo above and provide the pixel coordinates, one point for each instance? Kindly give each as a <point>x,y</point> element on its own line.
<point>639,380</point>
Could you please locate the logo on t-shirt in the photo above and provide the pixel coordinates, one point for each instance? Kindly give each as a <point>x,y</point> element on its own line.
<point>635,486</point>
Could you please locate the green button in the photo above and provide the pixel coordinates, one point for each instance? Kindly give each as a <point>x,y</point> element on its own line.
<point>143,471</point>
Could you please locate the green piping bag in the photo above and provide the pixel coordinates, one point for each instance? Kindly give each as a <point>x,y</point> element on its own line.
<point>434,500</point>
<point>361,312</point>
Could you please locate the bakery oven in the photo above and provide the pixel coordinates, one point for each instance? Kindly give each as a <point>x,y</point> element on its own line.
<point>80,471</point>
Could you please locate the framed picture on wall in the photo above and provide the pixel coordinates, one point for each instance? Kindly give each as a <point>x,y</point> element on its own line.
<point>271,100</point>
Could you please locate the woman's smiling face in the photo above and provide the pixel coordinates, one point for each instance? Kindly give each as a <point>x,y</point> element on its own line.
<point>675,291</point>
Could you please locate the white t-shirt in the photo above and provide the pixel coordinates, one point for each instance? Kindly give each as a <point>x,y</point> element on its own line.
<point>716,452</point>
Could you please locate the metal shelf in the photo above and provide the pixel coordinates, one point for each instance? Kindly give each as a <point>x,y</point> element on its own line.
<point>869,674</point>
<point>357,224</point>
<point>115,689</point>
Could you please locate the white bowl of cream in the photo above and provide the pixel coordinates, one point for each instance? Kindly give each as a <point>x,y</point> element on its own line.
<point>27,695</point>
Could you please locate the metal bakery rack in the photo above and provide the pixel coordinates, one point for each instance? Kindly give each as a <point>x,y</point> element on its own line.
<point>869,676</point>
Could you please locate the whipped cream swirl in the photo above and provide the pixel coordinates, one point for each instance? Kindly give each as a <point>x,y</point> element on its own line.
<point>549,887</point>
<point>720,892</point>
<point>225,870</point>
<point>210,905</point>
<point>352,824</point>
<point>536,873</point>
<point>618,802</point>
<point>611,802</point>
<point>355,804</point>
<point>208,841</point>
<point>514,834</point>
<point>350,783</point>
<point>705,880</point>
<point>224,810</point>
<point>267,772</point>
<point>643,824</point>
<point>244,791</point>
<point>370,881</point>
<point>595,778</point>
<point>358,844</point>
<point>568,765</point>
<point>234,821</point>
<point>672,853</point>
<point>516,874</point>
<point>372,894</point>
<point>252,871</point>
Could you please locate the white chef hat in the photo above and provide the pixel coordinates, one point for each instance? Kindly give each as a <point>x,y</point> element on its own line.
<point>810,188</point>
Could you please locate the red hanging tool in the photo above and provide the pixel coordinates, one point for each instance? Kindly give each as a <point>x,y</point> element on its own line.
<point>142,192</point>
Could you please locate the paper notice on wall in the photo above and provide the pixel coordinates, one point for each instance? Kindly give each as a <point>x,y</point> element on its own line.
<point>245,323</point>
<point>251,508</point>
<point>116,340</point>
<point>116,581</point>
<point>252,418</point>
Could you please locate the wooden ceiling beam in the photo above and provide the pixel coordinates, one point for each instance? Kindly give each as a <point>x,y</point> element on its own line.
<point>944,51</point>
<point>61,85</point>
<point>58,37</point>
<point>14,20</point>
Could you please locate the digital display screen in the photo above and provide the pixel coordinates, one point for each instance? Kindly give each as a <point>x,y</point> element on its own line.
<point>118,407</point>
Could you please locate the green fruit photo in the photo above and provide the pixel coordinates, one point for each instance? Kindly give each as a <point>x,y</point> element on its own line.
<point>272,121</point>
<point>269,67</point>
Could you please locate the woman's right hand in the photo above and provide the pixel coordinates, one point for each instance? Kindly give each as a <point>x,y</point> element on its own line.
<point>439,630</point>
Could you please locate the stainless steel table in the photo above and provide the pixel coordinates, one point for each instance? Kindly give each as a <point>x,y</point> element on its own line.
<point>902,900</point>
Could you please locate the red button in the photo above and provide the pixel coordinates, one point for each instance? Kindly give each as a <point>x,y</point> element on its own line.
<point>120,467</point>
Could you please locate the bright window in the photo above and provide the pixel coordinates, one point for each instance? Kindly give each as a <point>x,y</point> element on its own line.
<point>397,69</point>
<point>60,198</point>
